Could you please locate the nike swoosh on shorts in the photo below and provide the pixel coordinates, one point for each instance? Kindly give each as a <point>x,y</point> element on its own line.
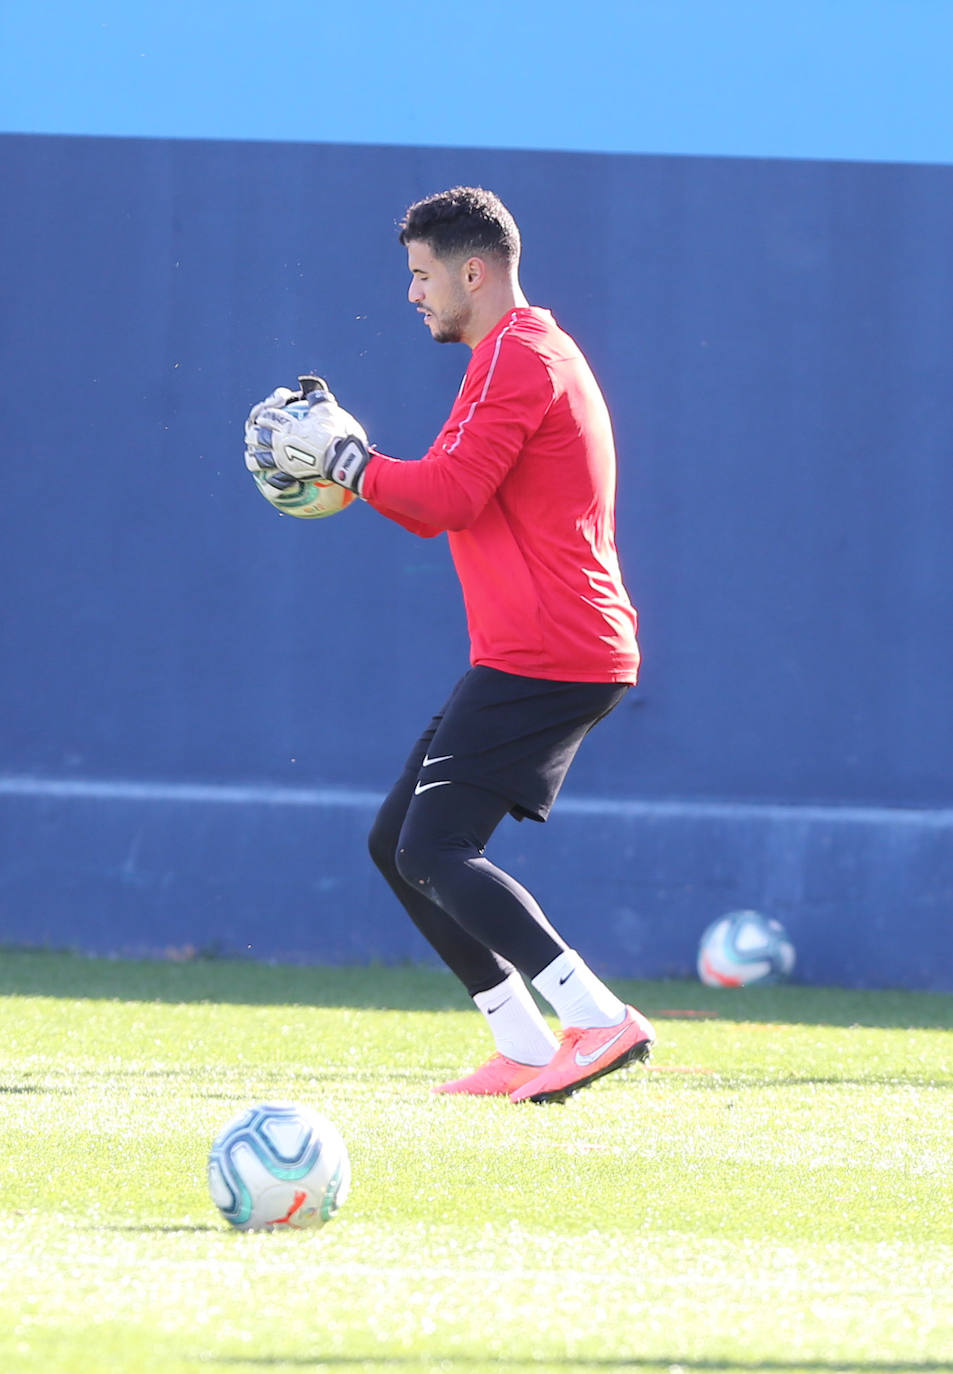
<point>426,786</point>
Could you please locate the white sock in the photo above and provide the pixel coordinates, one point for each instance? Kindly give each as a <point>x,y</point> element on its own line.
<point>576,995</point>
<point>516,1022</point>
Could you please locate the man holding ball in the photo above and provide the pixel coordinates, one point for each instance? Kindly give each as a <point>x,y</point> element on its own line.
<point>522,479</point>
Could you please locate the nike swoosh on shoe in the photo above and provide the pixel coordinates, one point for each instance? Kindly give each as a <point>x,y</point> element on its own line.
<point>583,1059</point>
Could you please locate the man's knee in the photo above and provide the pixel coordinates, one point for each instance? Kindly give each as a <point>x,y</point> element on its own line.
<point>414,858</point>
<point>382,841</point>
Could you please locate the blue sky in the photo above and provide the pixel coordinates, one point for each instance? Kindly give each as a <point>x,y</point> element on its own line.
<point>842,79</point>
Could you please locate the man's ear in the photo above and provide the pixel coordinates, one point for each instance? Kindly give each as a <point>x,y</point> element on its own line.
<point>473,273</point>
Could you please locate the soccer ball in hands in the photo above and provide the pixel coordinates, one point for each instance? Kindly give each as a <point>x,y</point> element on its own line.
<point>278,1165</point>
<point>308,500</point>
<point>742,948</point>
<point>307,497</point>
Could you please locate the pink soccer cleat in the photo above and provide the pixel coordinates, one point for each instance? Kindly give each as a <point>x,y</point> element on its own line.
<point>498,1077</point>
<point>585,1055</point>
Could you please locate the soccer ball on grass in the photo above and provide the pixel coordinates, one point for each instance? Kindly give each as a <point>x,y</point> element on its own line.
<point>278,1165</point>
<point>742,948</point>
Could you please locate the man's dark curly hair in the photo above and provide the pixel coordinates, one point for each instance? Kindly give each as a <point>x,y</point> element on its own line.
<point>463,221</point>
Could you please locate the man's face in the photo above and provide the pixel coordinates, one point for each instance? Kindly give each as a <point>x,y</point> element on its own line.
<point>436,289</point>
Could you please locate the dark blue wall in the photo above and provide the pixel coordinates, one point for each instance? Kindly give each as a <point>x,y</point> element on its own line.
<point>775,340</point>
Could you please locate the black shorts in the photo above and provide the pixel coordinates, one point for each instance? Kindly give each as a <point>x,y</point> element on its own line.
<point>515,736</point>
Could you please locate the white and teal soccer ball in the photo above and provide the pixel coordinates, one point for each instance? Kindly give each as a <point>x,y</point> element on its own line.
<point>742,948</point>
<point>278,1166</point>
<point>308,500</point>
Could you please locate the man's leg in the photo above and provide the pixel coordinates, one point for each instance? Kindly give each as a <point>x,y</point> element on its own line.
<point>523,1040</point>
<point>440,853</point>
<point>521,736</point>
<point>477,967</point>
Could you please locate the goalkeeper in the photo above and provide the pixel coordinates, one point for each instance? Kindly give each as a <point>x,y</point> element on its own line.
<point>522,477</point>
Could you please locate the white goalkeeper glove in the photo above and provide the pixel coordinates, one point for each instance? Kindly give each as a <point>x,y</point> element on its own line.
<point>307,435</point>
<point>279,397</point>
<point>257,457</point>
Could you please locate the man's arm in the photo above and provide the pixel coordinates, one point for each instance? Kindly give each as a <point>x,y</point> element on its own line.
<point>502,403</point>
<point>506,393</point>
<point>418,527</point>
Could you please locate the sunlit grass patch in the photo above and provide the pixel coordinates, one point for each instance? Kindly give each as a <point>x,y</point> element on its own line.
<point>773,1194</point>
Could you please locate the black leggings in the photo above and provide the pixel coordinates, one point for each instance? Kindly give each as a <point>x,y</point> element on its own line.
<point>481,921</point>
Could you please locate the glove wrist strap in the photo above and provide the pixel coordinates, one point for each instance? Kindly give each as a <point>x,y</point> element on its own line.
<point>349,458</point>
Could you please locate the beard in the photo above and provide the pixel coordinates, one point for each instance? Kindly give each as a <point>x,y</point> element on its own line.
<point>449,326</point>
<point>448,330</point>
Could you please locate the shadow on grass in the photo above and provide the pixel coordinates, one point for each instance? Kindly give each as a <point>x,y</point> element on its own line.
<point>71,1080</point>
<point>157,1228</point>
<point>41,973</point>
<point>666,1364</point>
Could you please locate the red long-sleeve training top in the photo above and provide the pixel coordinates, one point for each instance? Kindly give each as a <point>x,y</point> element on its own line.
<point>522,476</point>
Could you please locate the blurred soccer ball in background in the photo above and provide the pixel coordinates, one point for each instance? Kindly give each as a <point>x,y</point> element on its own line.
<point>277,1166</point>
<point>742,948</point>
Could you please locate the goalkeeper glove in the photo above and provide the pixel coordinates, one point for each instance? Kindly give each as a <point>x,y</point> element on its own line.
<point>307,436</point>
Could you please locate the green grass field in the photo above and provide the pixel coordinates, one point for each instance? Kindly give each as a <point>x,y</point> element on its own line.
<point>773,1194</point>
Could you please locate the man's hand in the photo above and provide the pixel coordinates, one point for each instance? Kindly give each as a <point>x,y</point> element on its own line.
<point>279,397</point>
<point>307,436</point>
